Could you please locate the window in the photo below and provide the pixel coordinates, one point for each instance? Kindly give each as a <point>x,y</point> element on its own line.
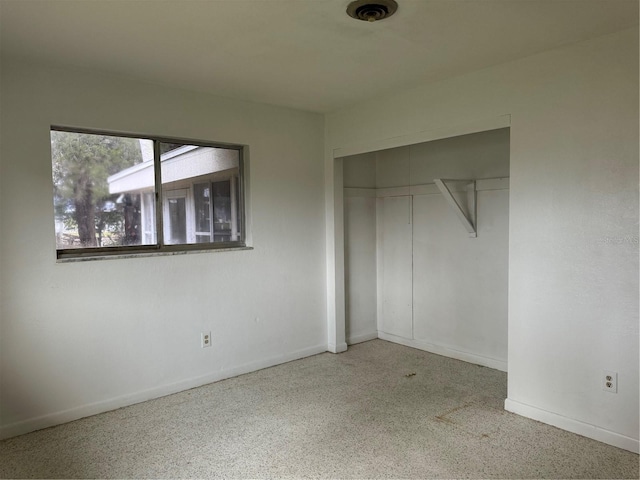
<point>123,194</point>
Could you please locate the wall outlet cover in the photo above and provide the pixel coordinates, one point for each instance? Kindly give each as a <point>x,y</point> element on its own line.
<point>610,381</point>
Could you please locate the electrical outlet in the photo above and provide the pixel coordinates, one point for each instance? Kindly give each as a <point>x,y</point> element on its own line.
<point>205,339</point>
<point>610,381</point>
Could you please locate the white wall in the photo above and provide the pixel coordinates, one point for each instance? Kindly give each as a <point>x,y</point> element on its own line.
<point>460,283</point>
<point>573,219</point>
<point>359,172</point>
<point>360,266</point>
<point>474,156</point>
<point>79,338</point>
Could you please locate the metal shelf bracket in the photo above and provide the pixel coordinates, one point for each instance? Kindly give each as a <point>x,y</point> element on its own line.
<point>466,211</point>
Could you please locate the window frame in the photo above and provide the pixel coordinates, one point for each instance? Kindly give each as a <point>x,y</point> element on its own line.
<point>160,247</point>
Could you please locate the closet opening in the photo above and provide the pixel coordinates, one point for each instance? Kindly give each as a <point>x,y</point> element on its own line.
<point>426,246</point>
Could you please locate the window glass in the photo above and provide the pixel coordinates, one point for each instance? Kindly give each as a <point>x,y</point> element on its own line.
<point>205,176</point>
<point>88,212</point>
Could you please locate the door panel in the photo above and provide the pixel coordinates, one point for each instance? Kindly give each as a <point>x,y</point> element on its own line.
<point>177,220</point>
<point>177,224</point>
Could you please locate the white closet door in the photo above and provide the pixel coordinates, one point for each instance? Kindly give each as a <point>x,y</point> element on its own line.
<point>396,239</point>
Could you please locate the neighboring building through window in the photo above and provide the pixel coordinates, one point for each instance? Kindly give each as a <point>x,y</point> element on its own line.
<point>108,199</point>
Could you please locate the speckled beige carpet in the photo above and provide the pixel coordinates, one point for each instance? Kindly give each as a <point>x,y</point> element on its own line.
<point>379,410</point>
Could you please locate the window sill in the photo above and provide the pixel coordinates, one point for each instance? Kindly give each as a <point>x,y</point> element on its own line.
<point>91,258</point>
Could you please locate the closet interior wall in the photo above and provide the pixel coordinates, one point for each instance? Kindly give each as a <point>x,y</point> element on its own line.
<point>412,273</point>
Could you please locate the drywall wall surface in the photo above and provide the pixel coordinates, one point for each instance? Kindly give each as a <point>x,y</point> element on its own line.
<point>573,218</point>
<point>473,156</point>
<point>460,283</point>
<point>78,338</point>
<point>393,167</point>
<point>395,272</point>
<point>360,267</point>
<point>359,171</point>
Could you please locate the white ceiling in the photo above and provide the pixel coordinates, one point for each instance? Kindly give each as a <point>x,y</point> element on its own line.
<point>306,54</point>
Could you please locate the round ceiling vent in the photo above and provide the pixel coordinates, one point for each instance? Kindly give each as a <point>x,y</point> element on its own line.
<point>372,10</point>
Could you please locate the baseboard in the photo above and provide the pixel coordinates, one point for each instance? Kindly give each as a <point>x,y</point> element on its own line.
<point>574,426</point>
<point>57,418</point>
<point>339,348</point>
<point>447,351</point>
<point>353,339</point>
